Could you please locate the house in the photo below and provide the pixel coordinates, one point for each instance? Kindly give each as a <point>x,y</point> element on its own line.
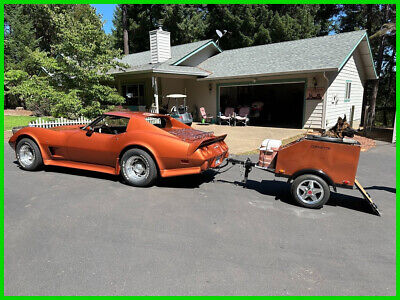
<point>300,84</point>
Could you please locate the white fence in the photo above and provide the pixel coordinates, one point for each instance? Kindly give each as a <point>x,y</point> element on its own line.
<point>58,122</point>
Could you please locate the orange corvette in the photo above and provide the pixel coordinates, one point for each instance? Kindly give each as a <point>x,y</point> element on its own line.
<point>139,146</point>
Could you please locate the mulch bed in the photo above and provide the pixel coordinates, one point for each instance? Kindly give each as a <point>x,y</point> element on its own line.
<point>366,143</point>
<point>15,112</point>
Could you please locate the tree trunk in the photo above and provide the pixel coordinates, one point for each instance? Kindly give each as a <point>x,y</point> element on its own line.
<point>125,28</point>
<point>379,60</point>
<point>366,84</point>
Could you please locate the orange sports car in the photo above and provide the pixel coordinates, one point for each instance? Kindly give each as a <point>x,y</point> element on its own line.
<point>139,146</point>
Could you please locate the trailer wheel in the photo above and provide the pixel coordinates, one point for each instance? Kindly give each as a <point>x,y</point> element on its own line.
<point>310,191</point>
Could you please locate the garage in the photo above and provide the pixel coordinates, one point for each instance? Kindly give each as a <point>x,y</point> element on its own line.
<point>270,104</point>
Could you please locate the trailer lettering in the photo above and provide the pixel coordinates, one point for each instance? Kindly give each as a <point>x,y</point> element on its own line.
<point>320,147</point>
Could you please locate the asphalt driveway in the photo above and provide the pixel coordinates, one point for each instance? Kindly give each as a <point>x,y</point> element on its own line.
<point>69,232</point>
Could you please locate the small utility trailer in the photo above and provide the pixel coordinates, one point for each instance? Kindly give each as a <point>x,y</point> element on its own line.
<point>312,165</point>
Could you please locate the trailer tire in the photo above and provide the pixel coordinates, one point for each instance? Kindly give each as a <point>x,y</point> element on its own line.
<point>310,191</point>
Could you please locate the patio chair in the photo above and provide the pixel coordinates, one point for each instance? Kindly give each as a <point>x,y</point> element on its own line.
<point>204,116</point>
<point>241,117</point>
<point>227,116</point>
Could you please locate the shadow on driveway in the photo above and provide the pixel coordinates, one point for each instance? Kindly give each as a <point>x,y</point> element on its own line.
<point>281,191</point>
<point>187,182</point>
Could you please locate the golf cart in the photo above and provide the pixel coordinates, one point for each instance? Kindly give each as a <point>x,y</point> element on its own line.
<point>180,111</point>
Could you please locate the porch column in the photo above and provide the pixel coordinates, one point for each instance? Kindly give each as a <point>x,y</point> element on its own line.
<point>155,92</point>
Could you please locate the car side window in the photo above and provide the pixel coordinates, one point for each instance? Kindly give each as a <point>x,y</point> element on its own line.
<point>111,125</point>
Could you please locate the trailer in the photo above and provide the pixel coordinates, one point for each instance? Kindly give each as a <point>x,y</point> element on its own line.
<point>312,165</point>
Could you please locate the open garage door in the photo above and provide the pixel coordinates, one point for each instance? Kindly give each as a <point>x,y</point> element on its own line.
<point>275,105</point>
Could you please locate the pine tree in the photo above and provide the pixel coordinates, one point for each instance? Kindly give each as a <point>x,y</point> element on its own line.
<point>379,20</point>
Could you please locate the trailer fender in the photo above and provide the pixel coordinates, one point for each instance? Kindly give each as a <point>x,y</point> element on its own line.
<point>316,172</point>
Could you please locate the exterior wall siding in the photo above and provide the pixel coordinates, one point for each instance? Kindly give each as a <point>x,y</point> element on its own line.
<point>337,105</point>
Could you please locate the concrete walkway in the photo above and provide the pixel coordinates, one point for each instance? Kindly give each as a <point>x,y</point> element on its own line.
<point>242,139</point>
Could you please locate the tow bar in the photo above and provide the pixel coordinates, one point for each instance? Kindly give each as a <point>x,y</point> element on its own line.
<point>247,164</point>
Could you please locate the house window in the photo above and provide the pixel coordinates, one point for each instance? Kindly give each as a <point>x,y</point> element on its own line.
<point>347,91</point>
<point>133,93</point>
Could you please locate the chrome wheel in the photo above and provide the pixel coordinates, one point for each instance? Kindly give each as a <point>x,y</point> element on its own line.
<point>136,167</point>
<point>310,191</point>
<point>26,155</point>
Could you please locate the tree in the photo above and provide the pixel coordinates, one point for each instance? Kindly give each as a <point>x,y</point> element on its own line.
<point>18,38</point>
<point>185,22</point>
<point>248,25</point>
<point>251,25</point>
<point>125,28</point>
<point>379,21</point>
<point>71,78</point>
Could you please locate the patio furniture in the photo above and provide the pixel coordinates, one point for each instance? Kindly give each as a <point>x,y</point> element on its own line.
<point>241,117</point>
<point>204,116</point>
<point>227,116</point>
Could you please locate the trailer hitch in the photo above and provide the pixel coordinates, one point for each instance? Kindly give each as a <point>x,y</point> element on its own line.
<point>247,164</point>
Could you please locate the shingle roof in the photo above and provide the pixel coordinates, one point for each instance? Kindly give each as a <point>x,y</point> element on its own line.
<point>141,61</point>
<point>306,55</point>
<point>320,53</point>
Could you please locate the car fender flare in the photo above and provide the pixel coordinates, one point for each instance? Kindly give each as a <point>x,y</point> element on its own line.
<point>146,148</point>
<point>316,172</point>
<point>36,140</point>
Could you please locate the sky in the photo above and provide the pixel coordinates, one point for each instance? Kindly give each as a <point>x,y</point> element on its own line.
<point>106,10</point>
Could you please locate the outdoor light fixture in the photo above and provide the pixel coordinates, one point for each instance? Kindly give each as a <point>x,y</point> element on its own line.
<point>210,87</point>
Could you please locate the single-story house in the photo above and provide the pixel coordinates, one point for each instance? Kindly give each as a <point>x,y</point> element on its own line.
<point>305,83</point>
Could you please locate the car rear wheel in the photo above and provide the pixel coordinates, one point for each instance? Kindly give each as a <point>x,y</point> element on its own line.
<point>28,155</point>
<point>138,168</point>
<point>310,191</point>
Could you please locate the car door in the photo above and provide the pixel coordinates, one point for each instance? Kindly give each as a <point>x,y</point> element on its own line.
<point>101,146</point>
<point>97,148</point>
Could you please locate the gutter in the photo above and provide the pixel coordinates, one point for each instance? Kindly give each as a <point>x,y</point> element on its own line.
<point>155,71</point>
<point>267,74</point>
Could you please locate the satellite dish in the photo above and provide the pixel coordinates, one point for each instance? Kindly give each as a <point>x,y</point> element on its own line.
<point>220,34</point>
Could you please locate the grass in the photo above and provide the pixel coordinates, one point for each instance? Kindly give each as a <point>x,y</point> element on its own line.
<point>14,121</point>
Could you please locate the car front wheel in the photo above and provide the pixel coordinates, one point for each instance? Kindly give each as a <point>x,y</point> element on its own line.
<point>28,155</point>
<point>310,191</point>
<point>138,168</point>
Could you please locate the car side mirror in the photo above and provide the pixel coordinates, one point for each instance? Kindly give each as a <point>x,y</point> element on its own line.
<point>89,130</point>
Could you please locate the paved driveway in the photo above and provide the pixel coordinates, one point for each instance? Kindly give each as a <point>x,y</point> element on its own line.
<point>254,135</point>
<point>80,233</point>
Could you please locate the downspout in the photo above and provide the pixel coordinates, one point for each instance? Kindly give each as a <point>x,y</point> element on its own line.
<point>325,102</point>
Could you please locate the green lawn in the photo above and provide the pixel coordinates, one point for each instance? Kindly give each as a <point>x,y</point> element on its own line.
<point>13,121</point>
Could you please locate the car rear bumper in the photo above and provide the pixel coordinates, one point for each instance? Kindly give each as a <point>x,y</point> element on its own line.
<point>210,163</point>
